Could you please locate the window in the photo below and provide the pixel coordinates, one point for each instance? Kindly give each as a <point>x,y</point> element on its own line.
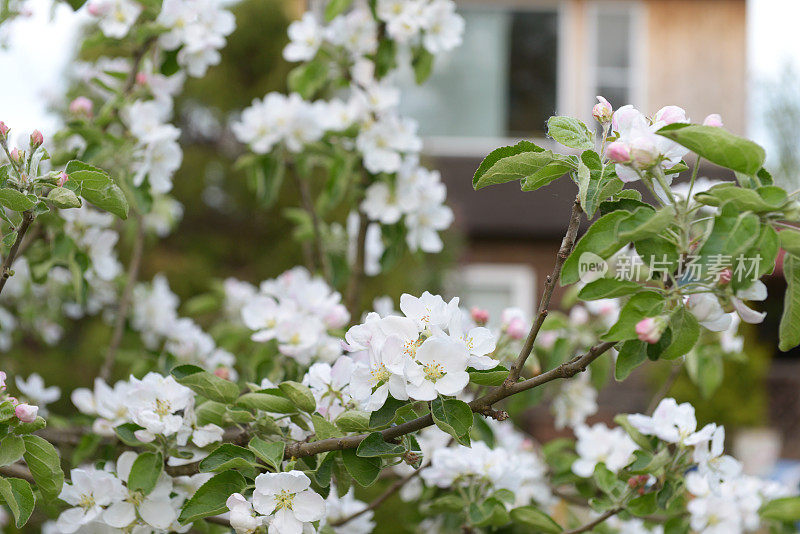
<point>504,73</point>
<point>496,286</point>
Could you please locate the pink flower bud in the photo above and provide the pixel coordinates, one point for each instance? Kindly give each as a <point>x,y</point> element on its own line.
<point>547,339</point>
<point>671,114</point>
<point>644,152</point>
<point>3,377</point>
<point>516,329</point>
<point>37,139</point>
<point>649,330</point>
<point>618,152</point>
<point>95,10</point>
<point>26,413</point>
<point>480,316</point>
<point>223,372</point>
<point>16,156</point>
<point>725,277</point>
<point>602,111</point>
<point>4,130</point>
<point>713,120</point>
<point>62,179</point>
<point>141,78</point>
<point>81,106</point>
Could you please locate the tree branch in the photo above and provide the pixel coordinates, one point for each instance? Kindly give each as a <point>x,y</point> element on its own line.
<point>16,471</point>
<point>353,290</point>
<point>567,243</point>
<point>125,301</point>
<point>27,219</point>
<point>589,526</point>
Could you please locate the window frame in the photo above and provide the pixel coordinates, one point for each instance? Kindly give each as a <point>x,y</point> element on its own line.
<point>520,278</point>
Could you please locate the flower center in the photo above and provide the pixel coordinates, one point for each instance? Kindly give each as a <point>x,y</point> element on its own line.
<point>284,499</point>
<point>433,371</point>
<point>381,374</point>
<point>87,501</point>
<point>162,407</point>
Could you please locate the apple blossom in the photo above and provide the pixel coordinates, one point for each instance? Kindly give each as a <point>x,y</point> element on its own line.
<point>602,111</point>
<point>287,500</point>
<point>672,422</point>
<point>25,412</point>
<point>713,120</point>
<point>599,444</point>
<point>650,329</point>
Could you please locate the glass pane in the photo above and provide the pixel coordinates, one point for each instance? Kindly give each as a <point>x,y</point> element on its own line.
<point>613,36</point>
<point>618,96</point>
<point>473,77</point>
<point>532,71</point>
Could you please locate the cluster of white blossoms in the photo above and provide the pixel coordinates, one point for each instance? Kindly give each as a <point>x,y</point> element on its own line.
<point>420,355</point>
<point>157,404</point>
<point>724,499</point>
<point>511,464</point>
<point>196,28</point>
<point>158,153</point>
<point>281,500</point>
<point>298,311</point>
<point>102,502</point>
<point>433,23</point>
<point>154,314</point>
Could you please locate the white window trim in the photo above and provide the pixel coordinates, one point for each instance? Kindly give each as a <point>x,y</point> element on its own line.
<point>637,45</point>
<point>519,277</point>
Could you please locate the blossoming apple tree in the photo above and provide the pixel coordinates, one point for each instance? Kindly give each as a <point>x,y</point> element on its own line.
<point>273,416</point>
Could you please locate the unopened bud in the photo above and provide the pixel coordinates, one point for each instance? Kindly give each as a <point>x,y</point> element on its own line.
<point>16,156</point>
<point>4,130</point>
<point>670,114</point>
<point>650,329</point>
<point>3,377</point>
<point>516,328</point>
<point>412,458</point>
<point>618,152</point>
<point>141,78</point>
<point>713,120</point>
<point>223,372</point>
<point>602,111</point>
<point>62,179</point>
<point>81,106</point>
<point>37,139</point>
<point>480,316</point>
<point>95,10</point>
<point>26,413</point>
<point>725,277</point>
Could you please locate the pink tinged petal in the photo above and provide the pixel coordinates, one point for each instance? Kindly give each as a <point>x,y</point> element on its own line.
<point>308,506</point>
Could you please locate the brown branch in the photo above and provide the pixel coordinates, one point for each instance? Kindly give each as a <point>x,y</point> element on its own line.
<point>353,290</point>
<point>589,526</point>
<point>544,304</point>
<point>391,490</point>
<point>479,405</point>
<point>27,219</point>
<point>125,301</point>
<point>16,471</point>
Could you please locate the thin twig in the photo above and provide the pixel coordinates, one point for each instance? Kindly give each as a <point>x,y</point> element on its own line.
<point>391,490</point>
<point>125,301</point>
<point>589,526</point>
<point>664,389</point>
<point>308,205</point>
<point>353,290</point>
<point>16,471</point>
<point>552,280</point>
<point>27,219</point>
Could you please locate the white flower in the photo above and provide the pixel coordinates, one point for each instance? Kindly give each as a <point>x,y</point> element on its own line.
<point>427,310</point>
<point>424,224</point>
<point>600,444</point>
<point>116,16</point>
<point>337,508</point>
<point>575,401</point>
<point>711,461</point>
<point>155,508</point>
<point>153,403</point>
<point>90,491</point>
<point>757,291</point>
<point>380,203</point>
<point>708,311</point>
<point>242,517</point>
<point>442,368</point>
<point>286,497</point>
<point>329,384</point>
<point>444,28</point>
<point>385,373</point>
<point>34,390</point>
<point>478,340</point>
<point>305,37</point>
<point>672,422</point>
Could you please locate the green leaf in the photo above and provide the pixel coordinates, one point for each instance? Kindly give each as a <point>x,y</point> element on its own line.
<point>336,8</point>
<point>651,225</point>
<point>226,457</point>
<point>29,428</point>
<point>63,198</point>
<point>324,429</point>
<point>789,330</point>
<point>14,200</point>
<point>606,288</point>
<point>206,384</point>
<point>384,415</point>
<point>45,465</point>
<point>706,370</point>
<point>11,450</point>
<point>762,200</point>
<point>271,453</point>
<point>299,394</point>
<point>641,305</point>
<point>570,132</point>
<point>18,496</point>
<point>600,239</point>
<point>536,519</point>
<point>717,145</point>
<point>272,401</point>
<point>385,57</point>
<point>790,241</point>
<point>536,168</point>
<point>374,446</point>
<point>364,471</point>
<point>422,64</point>
<point>308,78</point>
<point>786,509</point>
<point>596,183</point>
<point>454,417</point>
<point>209,499</point>
<point>605,479</point>
<point>145,471</point>
<point>686,332</point>
<point>353,421</point>
<point>98,188</point>
<point>637,437</point>
<point>125,433</point>
<point>488,377</point>
<point>499,154</point>
<point>643,505</point>
<point>9,239</point>
<point>631,355</point>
